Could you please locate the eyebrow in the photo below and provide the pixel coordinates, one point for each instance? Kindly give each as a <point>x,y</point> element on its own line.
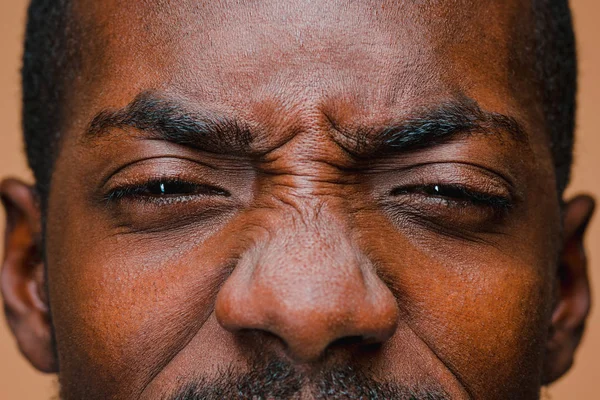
<point>166,119</point>
<point>169,120</point>
<point>431,126</point>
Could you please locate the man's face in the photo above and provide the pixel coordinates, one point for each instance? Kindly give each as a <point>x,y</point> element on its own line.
<point>303,200</point>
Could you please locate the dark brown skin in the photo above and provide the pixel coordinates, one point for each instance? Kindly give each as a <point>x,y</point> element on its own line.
<point>445,266</point>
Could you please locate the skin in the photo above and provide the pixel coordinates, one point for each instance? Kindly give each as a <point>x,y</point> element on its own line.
<point>307,241</point>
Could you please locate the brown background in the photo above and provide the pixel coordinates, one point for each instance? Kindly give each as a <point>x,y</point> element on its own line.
<point>19,381</point>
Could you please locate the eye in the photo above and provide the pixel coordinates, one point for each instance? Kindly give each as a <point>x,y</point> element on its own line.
<point>455,195</point>
<point>157,189</point>
<point>451,208</point>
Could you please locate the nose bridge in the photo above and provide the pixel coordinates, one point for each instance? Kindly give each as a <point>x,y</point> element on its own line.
<point>309,285</point>
<point>308,261</point>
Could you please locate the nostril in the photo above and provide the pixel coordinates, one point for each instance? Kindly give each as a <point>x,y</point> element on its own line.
<point>366,343</point>
<point>348,341</point>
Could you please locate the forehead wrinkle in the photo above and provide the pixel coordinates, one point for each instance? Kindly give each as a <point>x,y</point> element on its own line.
<point>381,75</point>
<point>155,22</point>
<point>203,27</point>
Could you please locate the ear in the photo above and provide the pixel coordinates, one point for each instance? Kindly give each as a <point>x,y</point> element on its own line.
<point>22,277</point>
<point>572,304</point>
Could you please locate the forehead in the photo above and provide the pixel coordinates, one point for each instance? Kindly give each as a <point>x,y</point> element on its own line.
<point>360,58</point>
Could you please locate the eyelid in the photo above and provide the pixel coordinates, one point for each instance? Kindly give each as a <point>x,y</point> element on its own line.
<point>492,201</point>
<point>133,190</point>
<point>167,168</point>
<point>471,177</point>
<point>465,187</point>
<point>467,194</point>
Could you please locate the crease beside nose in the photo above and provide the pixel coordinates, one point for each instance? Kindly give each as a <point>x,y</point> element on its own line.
<point>311,297</point>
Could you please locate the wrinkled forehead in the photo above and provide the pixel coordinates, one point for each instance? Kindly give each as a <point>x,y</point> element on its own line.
<point>373,54</point>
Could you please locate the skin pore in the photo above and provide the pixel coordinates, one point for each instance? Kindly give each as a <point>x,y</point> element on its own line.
<point>300,199</point>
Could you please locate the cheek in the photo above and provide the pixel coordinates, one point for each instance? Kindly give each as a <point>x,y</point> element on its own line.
<point>481,310</point>
<point>484,326</point>
<point>124,305</point>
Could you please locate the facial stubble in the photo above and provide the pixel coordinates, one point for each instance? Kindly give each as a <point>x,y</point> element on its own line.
<point>280,380</point>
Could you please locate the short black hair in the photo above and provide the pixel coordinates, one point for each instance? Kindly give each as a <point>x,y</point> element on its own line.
<point>48,59</point>
<point>51,55</point>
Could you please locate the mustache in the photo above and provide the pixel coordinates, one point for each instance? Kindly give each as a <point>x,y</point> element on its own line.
<point>280,380</point>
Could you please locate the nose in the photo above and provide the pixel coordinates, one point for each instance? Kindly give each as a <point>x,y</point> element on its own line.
<point>312,288</point>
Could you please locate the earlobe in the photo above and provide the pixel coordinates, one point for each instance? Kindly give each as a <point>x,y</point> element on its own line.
<point>573,297</point>
<point>22,277</point>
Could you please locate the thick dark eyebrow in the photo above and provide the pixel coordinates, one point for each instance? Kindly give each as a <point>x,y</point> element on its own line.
<point>430,126</point>
<point>166,119</point>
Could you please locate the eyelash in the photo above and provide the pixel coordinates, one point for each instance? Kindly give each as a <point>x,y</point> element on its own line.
<point>457,195</point>
<point>452,195</point>
<point>143,191</point>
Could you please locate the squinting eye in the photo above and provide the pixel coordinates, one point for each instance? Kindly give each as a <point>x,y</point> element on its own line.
<point>452,192</point>
<point>444,191</point>
<point>170,188</point>
<point>455,194</point>
<point>165,188</point>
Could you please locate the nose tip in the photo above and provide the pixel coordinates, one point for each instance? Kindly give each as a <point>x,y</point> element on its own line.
<point>309,323</point>
<point>308,335</point>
